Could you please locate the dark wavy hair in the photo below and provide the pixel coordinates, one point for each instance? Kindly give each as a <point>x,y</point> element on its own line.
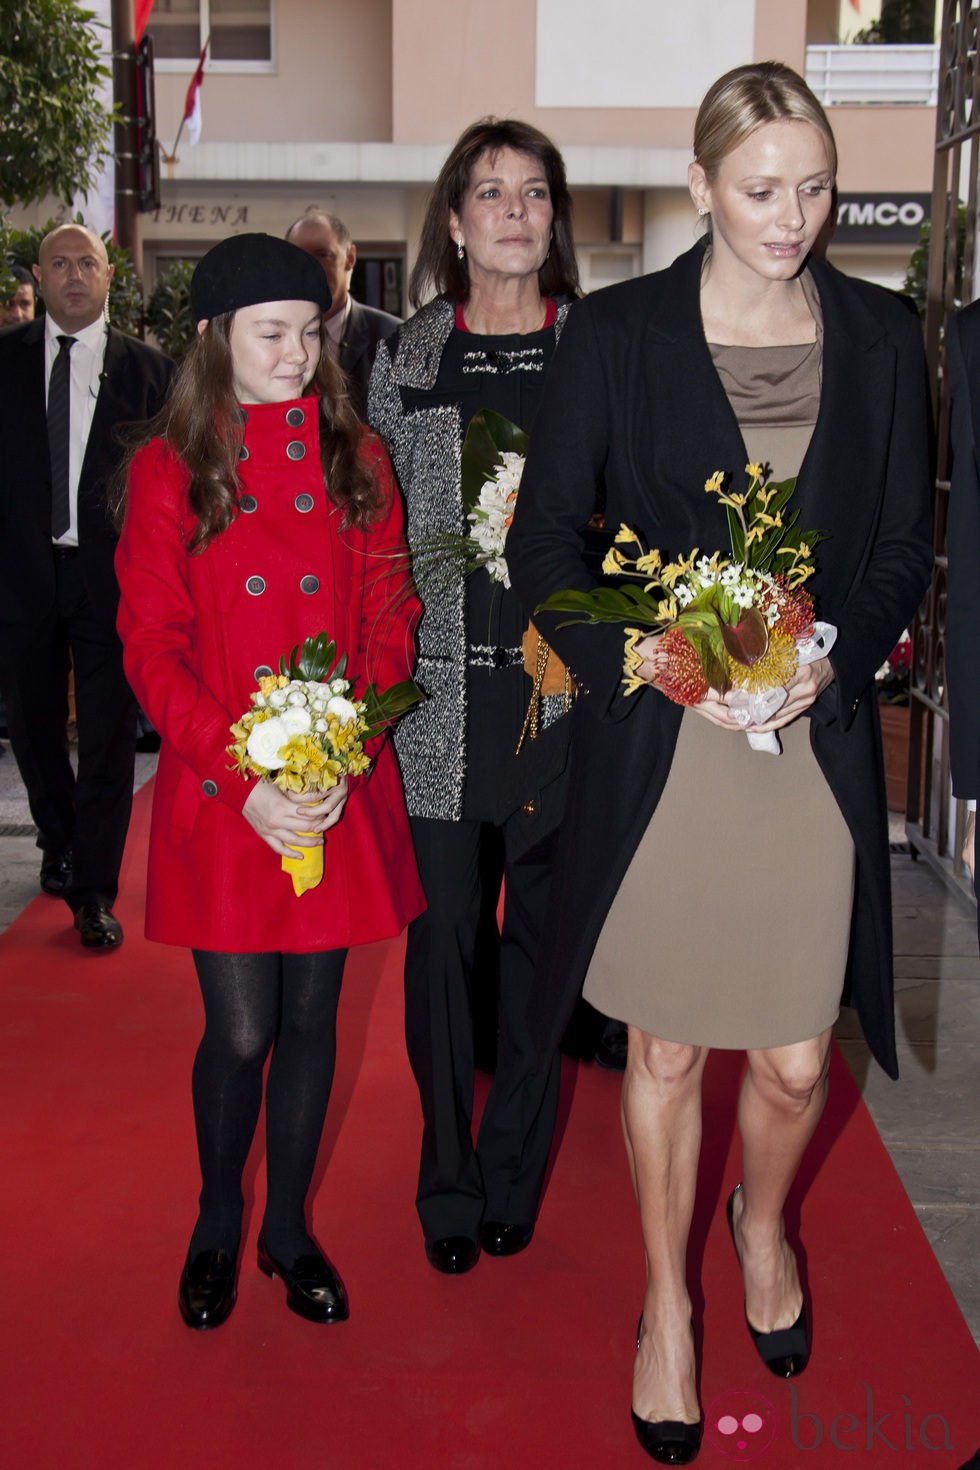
<point>437,267</point>
<point>201,423</point>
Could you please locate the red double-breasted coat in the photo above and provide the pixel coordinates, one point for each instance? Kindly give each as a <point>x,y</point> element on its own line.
<point>198,630</point>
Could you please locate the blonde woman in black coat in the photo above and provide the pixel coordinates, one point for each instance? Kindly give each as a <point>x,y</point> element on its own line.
<point>730,898</point>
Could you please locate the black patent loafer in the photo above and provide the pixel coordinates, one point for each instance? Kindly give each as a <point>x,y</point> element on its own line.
<point>500,1239</point>
<point>98,926</point>
<point>668,1441</point>
<point>453,1255</point>
<point>207,1290</point>
<point>313,1288</point>
<point>55,872</point>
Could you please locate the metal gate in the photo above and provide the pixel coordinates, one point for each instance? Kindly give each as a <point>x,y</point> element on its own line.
<point>934,822</point>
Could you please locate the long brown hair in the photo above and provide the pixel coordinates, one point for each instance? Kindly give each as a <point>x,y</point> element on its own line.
<point>437,266</point>
<point>203,425</point>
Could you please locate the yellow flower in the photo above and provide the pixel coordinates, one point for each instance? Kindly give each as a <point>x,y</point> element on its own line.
<point>268,682</point>
<point>627,537</point>
<point>632,661</point>
<point>649,563</point>
<point>766,520</point>
<point>715,483</point>
<point>613,562</point>
<point>773,670</point>
<point>667,610</point>
<point>734,498</point>
<point>755,471</point>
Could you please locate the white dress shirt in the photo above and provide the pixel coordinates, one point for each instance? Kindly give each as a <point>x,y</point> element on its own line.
<point>86,362</point>
<point>336,327</point>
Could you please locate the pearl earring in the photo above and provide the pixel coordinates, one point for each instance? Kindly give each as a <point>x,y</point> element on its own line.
<point>459,248</point>
<point>702,210</point>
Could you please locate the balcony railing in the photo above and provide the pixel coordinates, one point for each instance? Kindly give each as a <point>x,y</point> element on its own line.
<point>849,76</point>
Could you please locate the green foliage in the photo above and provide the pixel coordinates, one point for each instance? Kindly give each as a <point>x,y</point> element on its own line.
<point>916,284</point>
<point>315,659</point>
<point>56,130</point>
<point>125,298</point>
<point>168,310</point>
<point>901,23</point>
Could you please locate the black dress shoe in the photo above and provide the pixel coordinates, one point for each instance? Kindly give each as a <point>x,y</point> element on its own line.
<point>55,872</point>
<point>313,1288</point>
<point>453,1255</point>
<point>668,1441</point>
<point>207,1291</point>
<point>98,926</point>
<point>610,1054</point>
<point>786,1351</point>
<point>498,1239</point>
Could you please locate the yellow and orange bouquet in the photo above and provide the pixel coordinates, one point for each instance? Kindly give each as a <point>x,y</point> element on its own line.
<point>306,729</point>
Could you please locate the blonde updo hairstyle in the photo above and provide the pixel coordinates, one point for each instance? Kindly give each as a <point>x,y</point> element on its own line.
<point>745,98</point>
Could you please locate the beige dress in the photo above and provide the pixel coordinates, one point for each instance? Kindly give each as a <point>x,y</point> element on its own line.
<point>731,925</point>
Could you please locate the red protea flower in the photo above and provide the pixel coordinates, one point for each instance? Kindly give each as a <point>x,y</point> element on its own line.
<point>795,609</point>
<point>679,673</point>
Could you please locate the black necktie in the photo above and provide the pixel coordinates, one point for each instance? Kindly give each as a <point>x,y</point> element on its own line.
<point>59,420</point>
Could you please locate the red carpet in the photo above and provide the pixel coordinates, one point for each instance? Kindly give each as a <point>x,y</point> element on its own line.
<point>522,1363</point>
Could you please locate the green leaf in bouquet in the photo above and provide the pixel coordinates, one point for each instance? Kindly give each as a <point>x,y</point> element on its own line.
<point>748,640</point>
<point>381,710</point>
<point>736,534</point>
<point>488,437</point>
<point>603,605</point>
<point>315,660</point>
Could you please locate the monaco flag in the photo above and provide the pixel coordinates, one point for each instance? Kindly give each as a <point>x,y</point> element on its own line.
<point>192,106</point>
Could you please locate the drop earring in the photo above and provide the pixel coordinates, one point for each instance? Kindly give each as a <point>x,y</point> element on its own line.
<point>460,252</point>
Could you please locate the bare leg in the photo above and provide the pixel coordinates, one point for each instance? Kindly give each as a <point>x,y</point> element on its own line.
<point>662,1126</point>
<point>782,1098</point>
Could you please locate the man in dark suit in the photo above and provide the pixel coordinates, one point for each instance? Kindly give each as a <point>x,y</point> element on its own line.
<point>963,568</point>
<point>354,329</point>
<point>67,382</point>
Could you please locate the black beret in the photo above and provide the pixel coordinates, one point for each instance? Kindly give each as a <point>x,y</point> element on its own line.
<point>245,270</point>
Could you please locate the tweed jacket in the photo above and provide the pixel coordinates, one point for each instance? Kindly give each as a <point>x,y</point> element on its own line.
<point>425,444</point>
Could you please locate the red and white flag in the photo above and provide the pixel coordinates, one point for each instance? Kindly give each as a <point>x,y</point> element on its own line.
<point>192,106</point>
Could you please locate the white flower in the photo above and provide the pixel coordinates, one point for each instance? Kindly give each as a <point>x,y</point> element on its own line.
<point>265,741</point>
<point>277,699</point>
<point>343,709</point>
<point>683,594</point>
<point>320,726</point>
<point>743,596</point>
<point>296,698</point>
<point>339,686</point>
<point>295,721</point>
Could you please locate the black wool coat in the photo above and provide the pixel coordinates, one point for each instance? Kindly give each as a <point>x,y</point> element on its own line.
<point>633,398</point>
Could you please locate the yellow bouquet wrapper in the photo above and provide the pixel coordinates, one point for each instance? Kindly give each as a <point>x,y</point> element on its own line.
<point>306,868</point>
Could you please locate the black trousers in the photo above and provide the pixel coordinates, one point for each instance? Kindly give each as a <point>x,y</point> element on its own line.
<point>88,813</point>
<point>500,1176</point>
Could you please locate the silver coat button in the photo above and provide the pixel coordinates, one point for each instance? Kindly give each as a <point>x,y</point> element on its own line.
<point>255,585</point>
<point>262,672</point>
<point>295,449</point>
<point>210,788</point>
<point>309,584</point>
<point>303,503</point>
<point>295,417</point>
<point>247,503</point>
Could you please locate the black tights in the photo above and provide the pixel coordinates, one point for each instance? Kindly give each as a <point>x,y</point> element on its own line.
<point>253,1002</point>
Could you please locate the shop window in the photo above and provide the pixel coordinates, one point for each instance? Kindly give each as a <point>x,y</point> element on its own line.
<point>240,32</point>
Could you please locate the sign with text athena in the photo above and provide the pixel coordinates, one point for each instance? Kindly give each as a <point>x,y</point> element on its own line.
<point>637,53</point>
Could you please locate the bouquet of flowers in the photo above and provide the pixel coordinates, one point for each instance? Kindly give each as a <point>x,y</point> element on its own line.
<point>306,728</point>
<point>492,462</point>
<point>740,625</point>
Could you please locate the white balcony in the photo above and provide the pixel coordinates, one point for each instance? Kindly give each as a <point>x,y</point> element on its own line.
<point>855,76</point>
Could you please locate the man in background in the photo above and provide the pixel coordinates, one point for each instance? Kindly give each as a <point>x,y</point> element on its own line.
<point>68,381</point>
<point>19,307</point>
<point>354,329</point>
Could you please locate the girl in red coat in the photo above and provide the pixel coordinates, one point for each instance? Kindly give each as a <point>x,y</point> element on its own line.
<point>261,513</point>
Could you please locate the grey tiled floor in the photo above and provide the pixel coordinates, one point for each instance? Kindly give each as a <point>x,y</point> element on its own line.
<point>929,1121</point>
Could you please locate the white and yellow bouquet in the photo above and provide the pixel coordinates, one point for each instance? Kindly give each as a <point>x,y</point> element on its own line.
<point>306,729</point>
<point>741,625</point>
